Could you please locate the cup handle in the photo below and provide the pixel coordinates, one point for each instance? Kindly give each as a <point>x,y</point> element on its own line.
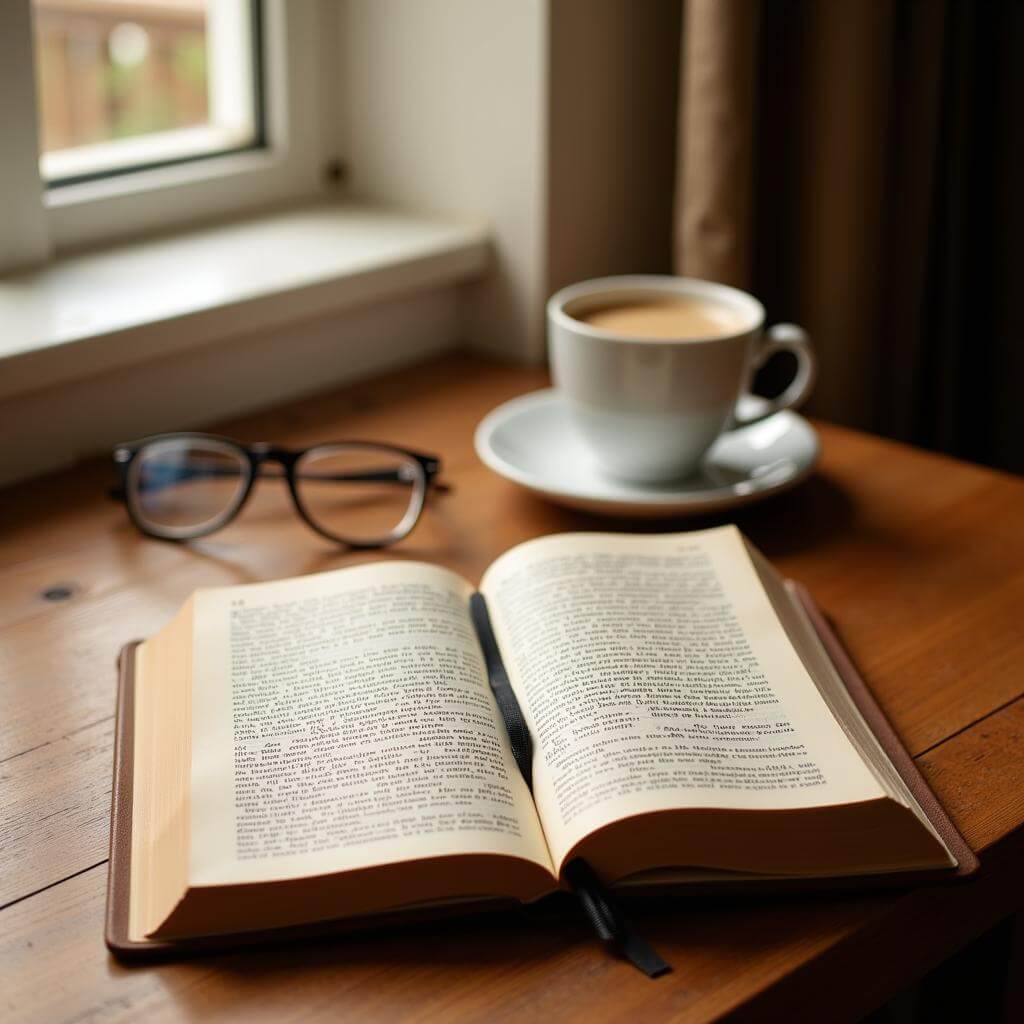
<point>784,338</point>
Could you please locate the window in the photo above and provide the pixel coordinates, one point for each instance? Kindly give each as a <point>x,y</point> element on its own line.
<point>124,84</point>
<point>122,117</point>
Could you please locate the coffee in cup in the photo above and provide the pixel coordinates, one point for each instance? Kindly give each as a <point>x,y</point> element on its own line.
<point>664,318</point>
<point>652,367</point>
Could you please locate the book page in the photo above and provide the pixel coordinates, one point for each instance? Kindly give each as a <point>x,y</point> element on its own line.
<point>345,720</point>
<point>655,676</point>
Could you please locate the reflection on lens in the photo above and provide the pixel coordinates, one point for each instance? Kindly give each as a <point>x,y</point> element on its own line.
<point>185,486</point>
<point>361,494</point>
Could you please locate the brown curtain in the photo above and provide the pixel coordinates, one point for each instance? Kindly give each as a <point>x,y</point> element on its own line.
<point>859,166</point>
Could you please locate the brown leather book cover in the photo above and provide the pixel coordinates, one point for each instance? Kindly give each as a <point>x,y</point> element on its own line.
<point>119,877</point>
<point>967,861</point>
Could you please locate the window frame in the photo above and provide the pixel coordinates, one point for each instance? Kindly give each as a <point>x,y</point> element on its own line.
<point>45,222</point>
<point>244,17</point>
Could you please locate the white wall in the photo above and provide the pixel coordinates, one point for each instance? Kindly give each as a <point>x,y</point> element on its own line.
<point>23,238</point>
<point>444,109</point>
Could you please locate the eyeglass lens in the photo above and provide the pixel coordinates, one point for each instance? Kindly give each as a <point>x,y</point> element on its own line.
<point>360,493</point>
<point>179,486</point>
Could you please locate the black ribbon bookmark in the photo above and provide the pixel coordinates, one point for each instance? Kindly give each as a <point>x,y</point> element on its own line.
<point>608,920</point>
<point>515,724</point>
<point>597,902</point>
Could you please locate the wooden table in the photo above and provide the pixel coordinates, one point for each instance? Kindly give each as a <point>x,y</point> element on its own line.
<point>918,559</point>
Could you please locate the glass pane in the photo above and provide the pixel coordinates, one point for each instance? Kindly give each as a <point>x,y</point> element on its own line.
<point>128,83</point>
<point>179,488</point>
<point>360,493</point>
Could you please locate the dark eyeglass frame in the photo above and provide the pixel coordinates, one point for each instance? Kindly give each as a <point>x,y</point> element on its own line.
<point>258,455</point>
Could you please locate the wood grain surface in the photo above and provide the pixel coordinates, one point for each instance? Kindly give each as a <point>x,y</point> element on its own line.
<point>918,560</point>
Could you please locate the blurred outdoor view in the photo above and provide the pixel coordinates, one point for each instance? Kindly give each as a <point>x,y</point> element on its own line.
<point>112,69</point>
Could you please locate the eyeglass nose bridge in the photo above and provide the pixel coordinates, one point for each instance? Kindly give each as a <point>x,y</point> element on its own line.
<point>263,452</point>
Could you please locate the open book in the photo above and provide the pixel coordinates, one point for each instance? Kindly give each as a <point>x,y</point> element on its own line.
<point>331,747</point>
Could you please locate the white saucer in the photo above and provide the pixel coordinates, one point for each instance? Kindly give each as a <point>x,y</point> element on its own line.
<point>531,441</point>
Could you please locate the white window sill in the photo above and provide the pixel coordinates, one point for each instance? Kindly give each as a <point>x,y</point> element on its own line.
<point>86,314</point>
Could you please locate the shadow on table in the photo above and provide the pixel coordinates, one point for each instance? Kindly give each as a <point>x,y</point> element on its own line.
<point>424,968</point>
<point>439,952</point>
<point>253,552</point>
<point>784,524</point>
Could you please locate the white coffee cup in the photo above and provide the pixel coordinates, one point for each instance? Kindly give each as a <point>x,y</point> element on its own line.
<point>649,409</point>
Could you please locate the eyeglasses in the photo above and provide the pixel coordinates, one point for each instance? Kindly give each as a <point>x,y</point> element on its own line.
<point>358,493</point>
